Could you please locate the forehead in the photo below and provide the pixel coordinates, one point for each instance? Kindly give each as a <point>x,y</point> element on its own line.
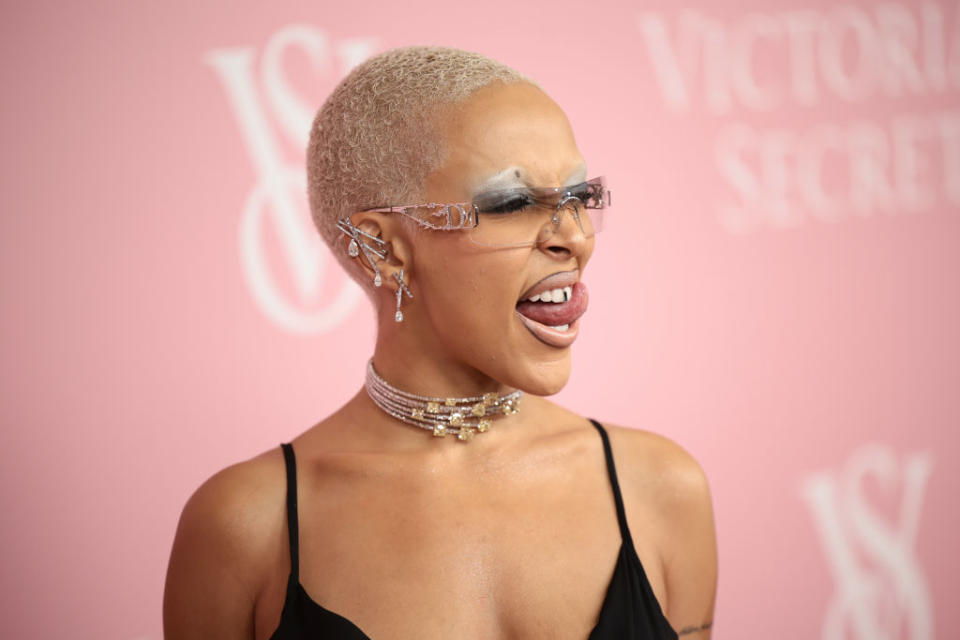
<point>505,131</point>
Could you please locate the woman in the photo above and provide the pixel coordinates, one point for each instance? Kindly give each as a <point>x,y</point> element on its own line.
<point>448,498</point>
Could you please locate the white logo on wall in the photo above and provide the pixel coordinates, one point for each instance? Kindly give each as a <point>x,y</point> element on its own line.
<point>853,109</point>
<point>278,198</point>
<point>880,590</point>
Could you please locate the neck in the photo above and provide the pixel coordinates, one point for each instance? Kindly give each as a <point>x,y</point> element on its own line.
<point>420,365</point>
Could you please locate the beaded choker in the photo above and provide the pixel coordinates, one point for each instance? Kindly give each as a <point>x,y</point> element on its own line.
<point>462,417</point>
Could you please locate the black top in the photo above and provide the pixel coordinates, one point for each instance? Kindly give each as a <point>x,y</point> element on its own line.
<point>630,610</point>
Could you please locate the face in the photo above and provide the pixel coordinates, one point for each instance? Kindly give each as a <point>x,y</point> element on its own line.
<point>474,309</point>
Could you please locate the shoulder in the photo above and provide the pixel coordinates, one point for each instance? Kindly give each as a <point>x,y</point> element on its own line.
<point>674,478</point>
<point>227,541</point>
<point>663,479</point>
<point>233,499</point>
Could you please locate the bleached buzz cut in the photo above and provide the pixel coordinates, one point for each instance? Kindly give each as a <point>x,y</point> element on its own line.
<point>377,136</point>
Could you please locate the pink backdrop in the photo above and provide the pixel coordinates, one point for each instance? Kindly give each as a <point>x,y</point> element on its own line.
<point>780,278</point>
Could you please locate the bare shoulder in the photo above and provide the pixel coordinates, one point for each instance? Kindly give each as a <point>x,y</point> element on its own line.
<point>666,484</point>
<point>660,464</point>
<point>240,503</point>
<point>227,539</point>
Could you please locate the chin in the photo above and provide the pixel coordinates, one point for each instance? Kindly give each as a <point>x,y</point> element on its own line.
<point>543,378</point>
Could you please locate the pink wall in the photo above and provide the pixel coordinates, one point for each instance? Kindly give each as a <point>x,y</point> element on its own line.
<point>780,279</point>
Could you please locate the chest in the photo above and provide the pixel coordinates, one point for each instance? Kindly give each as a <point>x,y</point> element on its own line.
<point>532,559</point>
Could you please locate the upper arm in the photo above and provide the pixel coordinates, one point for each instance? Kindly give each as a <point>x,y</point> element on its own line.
<point>211,582</point>
<point>667,479</point>
<point>690,557</point>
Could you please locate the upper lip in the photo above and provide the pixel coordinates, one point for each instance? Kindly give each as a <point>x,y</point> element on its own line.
<point>557,280</point>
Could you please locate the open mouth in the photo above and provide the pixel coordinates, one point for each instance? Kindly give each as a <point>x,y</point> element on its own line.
<point>551,308</point>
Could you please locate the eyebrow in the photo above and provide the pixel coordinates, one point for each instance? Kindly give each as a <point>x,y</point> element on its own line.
<point>513,177</point>
<point>579,175</point>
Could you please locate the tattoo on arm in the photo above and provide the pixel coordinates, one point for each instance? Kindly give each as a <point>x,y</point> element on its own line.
<point>694,629</point>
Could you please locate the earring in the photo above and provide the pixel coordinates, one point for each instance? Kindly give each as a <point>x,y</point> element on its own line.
<point>401,289</point>
<point>358,242</point>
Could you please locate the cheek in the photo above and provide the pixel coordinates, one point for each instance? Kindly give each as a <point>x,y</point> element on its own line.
<point>470,293</point>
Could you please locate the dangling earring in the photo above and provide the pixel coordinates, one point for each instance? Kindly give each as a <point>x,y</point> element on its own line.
<point>401,289</point>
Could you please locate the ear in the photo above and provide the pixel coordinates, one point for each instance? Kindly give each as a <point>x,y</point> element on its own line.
<point>397,245</point>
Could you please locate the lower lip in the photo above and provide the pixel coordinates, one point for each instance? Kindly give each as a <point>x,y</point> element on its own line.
<point>549,335</point>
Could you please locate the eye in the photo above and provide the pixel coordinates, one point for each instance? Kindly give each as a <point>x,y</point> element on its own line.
<point>511,204</point>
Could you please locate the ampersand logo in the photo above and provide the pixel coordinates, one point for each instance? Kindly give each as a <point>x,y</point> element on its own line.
<point>278,197</point>
<point>881,592</point>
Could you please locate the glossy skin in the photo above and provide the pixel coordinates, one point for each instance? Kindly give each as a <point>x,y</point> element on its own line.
<point>511,536</point>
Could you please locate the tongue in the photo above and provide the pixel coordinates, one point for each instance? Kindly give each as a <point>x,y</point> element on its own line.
<point>554,314</point>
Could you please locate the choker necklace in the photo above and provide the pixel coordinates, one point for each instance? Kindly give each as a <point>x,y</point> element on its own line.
<point>462,417</point>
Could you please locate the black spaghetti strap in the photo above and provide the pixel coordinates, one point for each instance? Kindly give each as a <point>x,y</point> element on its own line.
<point>293,526</point>
<point>614,483</point>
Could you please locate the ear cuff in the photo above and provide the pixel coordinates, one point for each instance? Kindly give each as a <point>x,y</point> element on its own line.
<point>371,246</point>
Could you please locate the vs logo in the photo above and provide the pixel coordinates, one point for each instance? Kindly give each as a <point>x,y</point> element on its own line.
<point>266,107</point>
<point>880,591</point>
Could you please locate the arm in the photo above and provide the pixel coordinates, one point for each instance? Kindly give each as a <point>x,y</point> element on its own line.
<point>209,592</point>
<point>690,557</point>
<point>663,481</point>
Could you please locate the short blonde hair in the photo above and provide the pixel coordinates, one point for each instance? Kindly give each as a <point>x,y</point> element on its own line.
<point>376,138</point>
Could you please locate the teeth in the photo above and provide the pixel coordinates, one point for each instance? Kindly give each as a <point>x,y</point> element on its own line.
<point>561,327</point>
<point>554,295</point>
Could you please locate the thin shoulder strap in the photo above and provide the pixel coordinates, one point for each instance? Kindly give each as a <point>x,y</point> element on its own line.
<point>614,483</point>
<point>292,524</point>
